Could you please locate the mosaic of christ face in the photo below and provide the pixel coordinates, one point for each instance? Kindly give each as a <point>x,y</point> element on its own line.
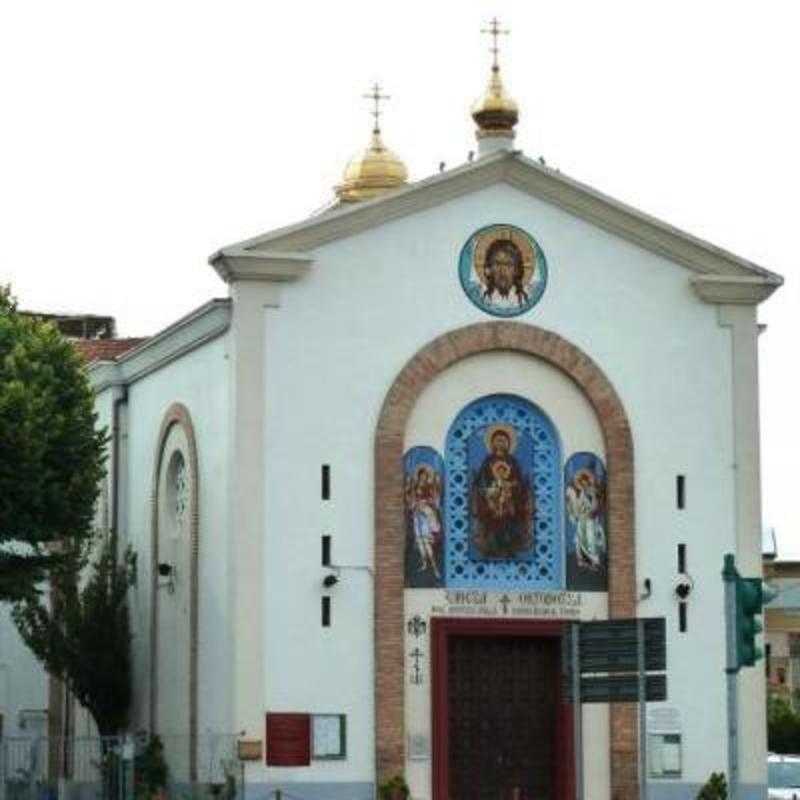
<point>502,270</point>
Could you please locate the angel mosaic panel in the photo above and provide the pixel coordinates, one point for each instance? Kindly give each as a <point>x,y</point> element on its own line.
<point>585,506</point>
<point>424,476</point>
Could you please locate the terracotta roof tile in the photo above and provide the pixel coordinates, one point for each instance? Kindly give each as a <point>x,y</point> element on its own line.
<point>105,349</point>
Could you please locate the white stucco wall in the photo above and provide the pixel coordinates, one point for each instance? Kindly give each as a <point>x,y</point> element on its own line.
<point>333,348</point>
<point>23,682</point>
<point>198,380</point>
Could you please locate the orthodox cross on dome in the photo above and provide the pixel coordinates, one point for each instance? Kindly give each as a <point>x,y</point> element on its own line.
<point>376,97</point>
<point>494,31</point>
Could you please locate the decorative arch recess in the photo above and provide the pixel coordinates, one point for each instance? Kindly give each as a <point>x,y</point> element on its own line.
<point>186,505</point>
<point>390,519</point>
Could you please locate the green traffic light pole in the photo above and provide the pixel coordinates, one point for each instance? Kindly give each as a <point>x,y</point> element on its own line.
<point>730,576</point>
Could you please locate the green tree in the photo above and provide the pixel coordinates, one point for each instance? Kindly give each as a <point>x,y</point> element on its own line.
<point>51,454</point>
<point>84,639</point>
<point>716,788</point>
<point>783,726</point>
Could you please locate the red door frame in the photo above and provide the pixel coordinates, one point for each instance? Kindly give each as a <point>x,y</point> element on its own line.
<point>444,627</point>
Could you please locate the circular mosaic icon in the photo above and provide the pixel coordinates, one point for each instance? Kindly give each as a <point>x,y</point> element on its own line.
<point>503,270</point>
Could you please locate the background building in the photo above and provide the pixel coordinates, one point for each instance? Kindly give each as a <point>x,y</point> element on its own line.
<point>782,625</point>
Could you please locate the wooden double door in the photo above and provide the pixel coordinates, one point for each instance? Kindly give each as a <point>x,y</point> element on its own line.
<point>501,729</point>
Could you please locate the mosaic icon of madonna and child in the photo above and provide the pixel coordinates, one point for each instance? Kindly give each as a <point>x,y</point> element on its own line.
<point>585,501</point>
<point>424,469</point>
<point>502,504</point>
<point>503,270</point>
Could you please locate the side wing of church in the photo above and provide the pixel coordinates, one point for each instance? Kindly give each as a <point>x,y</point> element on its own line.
<point>427,431</point>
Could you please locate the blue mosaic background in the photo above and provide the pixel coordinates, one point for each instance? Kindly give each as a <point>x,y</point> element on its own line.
<point>545,569</point>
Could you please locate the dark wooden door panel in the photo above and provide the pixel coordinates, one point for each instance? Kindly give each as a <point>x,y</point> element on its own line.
<point>502,696</point>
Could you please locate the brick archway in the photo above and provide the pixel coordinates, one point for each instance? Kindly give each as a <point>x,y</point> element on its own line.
<point>433,359</point>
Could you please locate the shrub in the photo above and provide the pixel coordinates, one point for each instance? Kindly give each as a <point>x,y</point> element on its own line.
<point>716,788</point>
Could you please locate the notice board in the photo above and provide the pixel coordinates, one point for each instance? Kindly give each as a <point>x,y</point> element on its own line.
<point>288,740</point>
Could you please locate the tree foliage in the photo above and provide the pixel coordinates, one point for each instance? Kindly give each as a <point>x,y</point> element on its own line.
<point>715,788</point>
<point>783,726</point>
<point>84,639</point>
<point>51,455</point>
<point>151,771</point>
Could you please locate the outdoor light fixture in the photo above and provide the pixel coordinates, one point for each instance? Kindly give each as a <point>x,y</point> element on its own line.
<point>167,571</point>
<point>683,587</point>
<point>332,578</point>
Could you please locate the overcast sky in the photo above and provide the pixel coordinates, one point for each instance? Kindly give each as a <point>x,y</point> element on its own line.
<point>137,138</point>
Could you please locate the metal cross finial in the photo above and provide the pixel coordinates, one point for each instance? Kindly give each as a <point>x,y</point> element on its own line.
<point>376,96</point>
<point>494,31</point>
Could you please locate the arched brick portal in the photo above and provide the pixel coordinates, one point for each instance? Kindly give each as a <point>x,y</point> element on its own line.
<point>433,359</point>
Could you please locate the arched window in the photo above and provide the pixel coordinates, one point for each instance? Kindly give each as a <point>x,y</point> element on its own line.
<point>174,637</point>
<point>177,490</point>
<point>503,497</point>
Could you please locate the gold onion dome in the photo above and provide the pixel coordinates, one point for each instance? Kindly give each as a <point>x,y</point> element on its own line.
<point>495,113</point>
<point>374,171</point>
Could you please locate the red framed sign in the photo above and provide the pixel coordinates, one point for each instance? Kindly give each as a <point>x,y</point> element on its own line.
<point>288,740</point>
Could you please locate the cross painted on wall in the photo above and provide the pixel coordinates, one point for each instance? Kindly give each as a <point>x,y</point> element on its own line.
<point>416,676</point>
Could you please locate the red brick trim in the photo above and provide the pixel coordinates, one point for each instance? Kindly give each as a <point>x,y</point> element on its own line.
<point>433,359</point>
<point>177,414</point>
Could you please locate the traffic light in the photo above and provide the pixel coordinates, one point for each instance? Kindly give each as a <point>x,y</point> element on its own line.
<point>751,596</point>
<point>749,602</point>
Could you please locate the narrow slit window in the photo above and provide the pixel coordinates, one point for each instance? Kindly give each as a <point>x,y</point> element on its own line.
<point>326,551</point>
<point>680,491</point>
<point>682,558</point>
<point>682,617</point>
<point>326,612</point>
<point>326,482</point>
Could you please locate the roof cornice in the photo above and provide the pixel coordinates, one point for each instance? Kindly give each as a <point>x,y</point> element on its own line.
<point>734,290</point>
<point>237,263</point>
<point>353,218</point>
<point>184,335</point>
<point>648,232</point>
<point>528,176</point>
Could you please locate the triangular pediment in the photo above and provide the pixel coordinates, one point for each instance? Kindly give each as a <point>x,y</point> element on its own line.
<point>288,245</point>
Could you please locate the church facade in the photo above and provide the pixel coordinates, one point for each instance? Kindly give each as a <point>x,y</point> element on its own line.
<point>427,430</point>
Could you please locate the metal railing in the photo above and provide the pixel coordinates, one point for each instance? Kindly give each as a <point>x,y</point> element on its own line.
<point>114,768</point>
